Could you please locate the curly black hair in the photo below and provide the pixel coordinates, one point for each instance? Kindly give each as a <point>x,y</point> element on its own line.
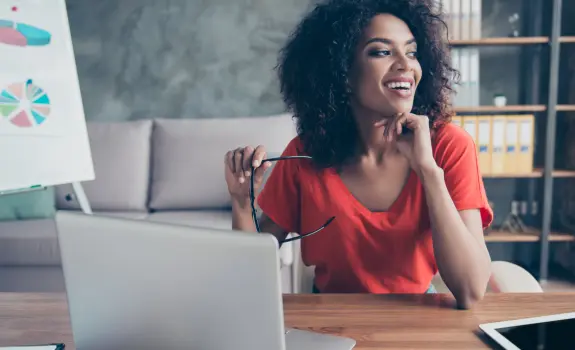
<point>314,65</point>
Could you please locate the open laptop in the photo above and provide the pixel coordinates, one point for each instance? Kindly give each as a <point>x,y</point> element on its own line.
<point>550,332</point>
<point>135,284</point>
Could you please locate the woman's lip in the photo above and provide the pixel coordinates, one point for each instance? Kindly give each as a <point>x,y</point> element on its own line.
<point>401,92</point>
<point>401,80</point>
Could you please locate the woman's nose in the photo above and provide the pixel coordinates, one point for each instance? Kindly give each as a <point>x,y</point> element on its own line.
<point>401,62</point>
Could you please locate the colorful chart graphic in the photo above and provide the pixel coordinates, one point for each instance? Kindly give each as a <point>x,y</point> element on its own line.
<point>20,34</point>
<point>24,104</point>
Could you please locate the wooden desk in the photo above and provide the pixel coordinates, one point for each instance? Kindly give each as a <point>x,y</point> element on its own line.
<point>375,321</point>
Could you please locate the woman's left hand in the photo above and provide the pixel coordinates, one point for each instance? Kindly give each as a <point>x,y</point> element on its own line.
<point>416,144</point>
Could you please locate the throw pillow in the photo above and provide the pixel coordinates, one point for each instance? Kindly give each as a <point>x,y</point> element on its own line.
<point>28,205</point>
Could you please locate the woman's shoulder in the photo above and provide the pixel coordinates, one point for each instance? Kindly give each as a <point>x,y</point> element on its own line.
<point>452,141</point>
<point>294,148</point>
<point>450,135</point>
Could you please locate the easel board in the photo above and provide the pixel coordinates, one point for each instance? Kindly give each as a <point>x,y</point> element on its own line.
<point>43,135</point>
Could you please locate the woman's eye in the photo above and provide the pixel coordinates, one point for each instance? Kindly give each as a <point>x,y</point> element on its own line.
<point>380,53</point>
<point>412,54</point>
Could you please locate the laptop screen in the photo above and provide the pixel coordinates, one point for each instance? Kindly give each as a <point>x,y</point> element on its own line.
<point>553,335</point>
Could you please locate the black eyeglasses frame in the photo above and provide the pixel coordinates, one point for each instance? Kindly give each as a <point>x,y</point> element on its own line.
<point>253,207</point>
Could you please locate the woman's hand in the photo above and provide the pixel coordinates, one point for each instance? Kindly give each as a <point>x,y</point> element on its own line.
<point>238,170</point>
<point>415,145</point>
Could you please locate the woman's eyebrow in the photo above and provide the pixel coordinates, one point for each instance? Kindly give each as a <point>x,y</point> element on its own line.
<point>387,41</point>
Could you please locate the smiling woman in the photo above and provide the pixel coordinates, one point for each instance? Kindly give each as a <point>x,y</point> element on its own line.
<point>357,75</point>
<point>342,43</point>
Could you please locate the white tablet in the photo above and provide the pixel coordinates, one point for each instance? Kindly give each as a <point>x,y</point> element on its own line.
<point>554,332</point>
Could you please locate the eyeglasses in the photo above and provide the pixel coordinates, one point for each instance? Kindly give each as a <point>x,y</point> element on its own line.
<point>252,201</point>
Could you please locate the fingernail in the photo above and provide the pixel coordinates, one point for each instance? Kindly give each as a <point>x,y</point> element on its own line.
<point>248,173</point>
<point>241,179</point>
<point>256,163</point>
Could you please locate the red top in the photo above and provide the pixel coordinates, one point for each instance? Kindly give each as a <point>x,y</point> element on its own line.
<point>363,251</point>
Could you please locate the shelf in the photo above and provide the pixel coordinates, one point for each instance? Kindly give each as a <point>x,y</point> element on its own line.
<point>567,39</point>
<point>516,108</point>
<point>565,108</point>
<point>501,236</point>
<point>531,236</point>
<point>501,41</point>
<point>526,40</point>
<point>535,174</point>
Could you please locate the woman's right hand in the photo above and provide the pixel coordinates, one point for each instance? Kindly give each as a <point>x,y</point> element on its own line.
<point>238,169</point>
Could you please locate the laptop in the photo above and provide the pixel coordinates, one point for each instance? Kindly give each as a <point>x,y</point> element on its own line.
<point>549,332</point>
<point>134,284</point>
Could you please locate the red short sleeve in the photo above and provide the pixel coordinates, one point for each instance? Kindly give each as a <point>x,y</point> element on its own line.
<point>456,153</point>
<point>280,197</point>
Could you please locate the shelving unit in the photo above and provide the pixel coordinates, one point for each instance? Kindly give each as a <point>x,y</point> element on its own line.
<point>510,41</point>
<point>542,235</point>
<point>495,109</point>
<point>532,236</point>
<point>537,173</point>
<point>516,108</point>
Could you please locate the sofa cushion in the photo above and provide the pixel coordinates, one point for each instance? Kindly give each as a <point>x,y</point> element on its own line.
<point>188,157</point>
<point>121,156</point>
<point>29,242</point>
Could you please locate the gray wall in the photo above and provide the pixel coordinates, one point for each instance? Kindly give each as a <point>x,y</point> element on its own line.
<point>215,58</point>
<point>180,58</point>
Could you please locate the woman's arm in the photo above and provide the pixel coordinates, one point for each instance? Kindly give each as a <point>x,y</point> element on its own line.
<point>242,220</point>
<point>458,242</point>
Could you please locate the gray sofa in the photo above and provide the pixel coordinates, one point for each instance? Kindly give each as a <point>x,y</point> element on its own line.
<point>163,170</point>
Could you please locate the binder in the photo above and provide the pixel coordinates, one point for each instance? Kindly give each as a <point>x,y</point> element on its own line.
<point>510,158</point>
<point>465,19</point>
<point>455,62</point>
<point>474,90</point>
<point>470,125</point>
<point>448,12</point>
<point>498,126</point>
<point>484,143</point>
<point>526,144</point>
<point>475,19</point>
<point>464,97</point>
<point>456,120</point>
<point>456,11</point>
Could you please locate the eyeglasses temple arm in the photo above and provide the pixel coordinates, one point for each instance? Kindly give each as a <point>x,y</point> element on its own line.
<point>310,233</point>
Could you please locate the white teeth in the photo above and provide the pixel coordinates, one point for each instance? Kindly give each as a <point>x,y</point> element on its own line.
<point>399,84</point>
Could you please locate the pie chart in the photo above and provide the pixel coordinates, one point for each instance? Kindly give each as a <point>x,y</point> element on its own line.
<point>20,34</point>
<point>24,104</point>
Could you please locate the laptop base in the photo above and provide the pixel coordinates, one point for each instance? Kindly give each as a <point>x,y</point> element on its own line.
<point>306,340</point>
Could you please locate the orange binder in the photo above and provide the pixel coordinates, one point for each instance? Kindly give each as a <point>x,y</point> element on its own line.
<point>484,143</point>
<point>510,158</point>
<point>470,125</point>
<point>526,144</point>
<point>498,145</point>
<point>456,120</point>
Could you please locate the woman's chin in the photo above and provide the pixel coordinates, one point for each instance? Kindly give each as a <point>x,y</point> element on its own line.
<point>400,109</point>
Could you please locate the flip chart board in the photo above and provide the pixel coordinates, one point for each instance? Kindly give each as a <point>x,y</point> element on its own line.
<point>43,136</point>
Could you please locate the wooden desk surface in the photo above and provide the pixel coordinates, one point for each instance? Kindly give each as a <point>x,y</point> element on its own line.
<point>375,321</point>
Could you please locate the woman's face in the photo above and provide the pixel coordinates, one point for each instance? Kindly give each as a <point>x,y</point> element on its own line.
<point>386,71</point>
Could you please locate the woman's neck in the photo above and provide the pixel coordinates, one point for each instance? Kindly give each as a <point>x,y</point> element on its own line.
<point>372,143</point>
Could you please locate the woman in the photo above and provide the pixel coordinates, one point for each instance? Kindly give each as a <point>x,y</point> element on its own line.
<point>369,83</point>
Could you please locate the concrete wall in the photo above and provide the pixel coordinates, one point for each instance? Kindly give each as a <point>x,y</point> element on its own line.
<point>180,58</point>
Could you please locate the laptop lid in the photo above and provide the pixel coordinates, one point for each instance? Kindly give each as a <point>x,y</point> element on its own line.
<point>134,284</point>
